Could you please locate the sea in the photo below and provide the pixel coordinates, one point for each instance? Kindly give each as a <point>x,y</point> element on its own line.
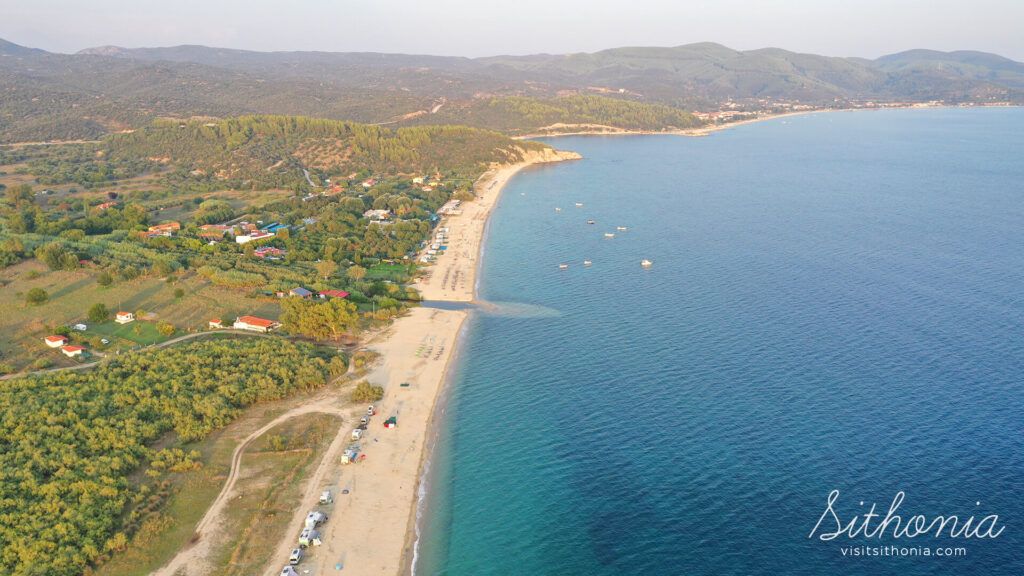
<point>835,306</point>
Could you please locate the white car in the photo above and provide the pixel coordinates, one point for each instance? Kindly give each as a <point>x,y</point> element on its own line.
<point>295,557</point>
<point>289,571</point>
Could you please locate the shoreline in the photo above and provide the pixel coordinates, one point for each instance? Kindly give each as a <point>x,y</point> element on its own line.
<point>376,528</point>
<point>708,130</point>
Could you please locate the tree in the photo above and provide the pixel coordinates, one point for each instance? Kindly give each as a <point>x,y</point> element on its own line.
<point>179,292</point>
<point>19,196</point>
<point>166,330</point>
<point>319,320</point>
<point>98,313</point>
<point>326,268</point>
<point>104,279</point>
<point>356,272</point>
<point>36,296</point>
<point>366,392</point>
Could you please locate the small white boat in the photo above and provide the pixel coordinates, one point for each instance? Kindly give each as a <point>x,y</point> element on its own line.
<point>646,263</point>
<point>590,221</point>
<point>563,266</point>
<point>587,262</point>
<point>622,228</point>
<point>609,235</point>
<point>558,209</point>
<point>579,204</point>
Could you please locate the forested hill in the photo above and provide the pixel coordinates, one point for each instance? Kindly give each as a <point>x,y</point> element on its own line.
<point>263,149</point>
<point>519,115</point>
<point>48,96</point>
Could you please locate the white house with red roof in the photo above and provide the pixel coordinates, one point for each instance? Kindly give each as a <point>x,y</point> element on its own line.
<point>124,317</point>
<point>72,351</point>
<point>56,341</point>
<point>254,324</point>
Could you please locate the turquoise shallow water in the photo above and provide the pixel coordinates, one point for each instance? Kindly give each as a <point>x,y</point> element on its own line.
<point>836,303</point>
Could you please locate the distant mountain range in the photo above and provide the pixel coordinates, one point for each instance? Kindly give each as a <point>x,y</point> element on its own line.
<point>99,90</point>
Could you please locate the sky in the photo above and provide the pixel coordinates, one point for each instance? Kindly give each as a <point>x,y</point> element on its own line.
<point>864,28</point>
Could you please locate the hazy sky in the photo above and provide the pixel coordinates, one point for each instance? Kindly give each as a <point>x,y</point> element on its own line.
<point>867,28</point>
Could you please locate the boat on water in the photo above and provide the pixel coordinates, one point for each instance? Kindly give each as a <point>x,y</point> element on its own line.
<point>558,209</point>
<point>563,266</point>
<point>579,204</point>
<point>609,235</point>
<point>590,221</point>
<point>587,262</point>
<point>646,263</point>
<point>622,228</point>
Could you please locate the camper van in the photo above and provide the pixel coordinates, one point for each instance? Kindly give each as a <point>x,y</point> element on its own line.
<point>314,519</point>
<point>309,537</point>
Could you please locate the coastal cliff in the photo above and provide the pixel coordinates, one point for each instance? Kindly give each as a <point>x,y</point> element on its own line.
<point>530,156</point>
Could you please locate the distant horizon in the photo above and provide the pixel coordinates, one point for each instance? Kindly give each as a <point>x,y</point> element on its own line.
<point>463,28</point>
<point>525,54</point>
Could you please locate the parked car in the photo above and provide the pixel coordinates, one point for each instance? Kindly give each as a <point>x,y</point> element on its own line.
<point>296,556</point>
<point>289,571</point>
<point>325,497</point>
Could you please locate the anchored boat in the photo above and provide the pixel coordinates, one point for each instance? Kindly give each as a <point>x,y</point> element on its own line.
<point>646,263</point>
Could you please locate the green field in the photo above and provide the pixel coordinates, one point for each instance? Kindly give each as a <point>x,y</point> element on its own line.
<point>73,292</point>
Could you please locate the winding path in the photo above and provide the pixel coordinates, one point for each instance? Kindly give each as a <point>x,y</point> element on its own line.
<point>195,552</point>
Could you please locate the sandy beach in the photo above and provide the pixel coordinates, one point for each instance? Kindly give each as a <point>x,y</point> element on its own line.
<point>371,528</point>
<point>453,277</point>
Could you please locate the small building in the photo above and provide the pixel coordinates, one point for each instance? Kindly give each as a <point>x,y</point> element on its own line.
<point>377,215</point>
<point>72,351</point>
<point>56,341</point>
<point>124,317</point>
<point>106,205</point>
<point>333,294</point>
<point>269,253</point>
<point>417,180</point>
<point>253,236</point>
<point>254,324</point>
<point>167,229</point>
<point>369,183</point>
<point>216,323</point>
<point>300,292</point>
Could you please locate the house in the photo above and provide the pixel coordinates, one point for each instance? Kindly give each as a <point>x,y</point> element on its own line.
<point>417,180</point>
<point>72,351</point>
<point>254,324</point>
<point>333,294</point>
<point>300,292</point>
<point>253,236</point>
<point>215,323</point>
<point>164,229</point>
<point>106,205</point>
<point>428,189</point>
<point>269,252</point>
<point>124,317</point>
<point>369,183</point>
<point>214,231</point>
<point>55,341</point>
<point>377,214</point>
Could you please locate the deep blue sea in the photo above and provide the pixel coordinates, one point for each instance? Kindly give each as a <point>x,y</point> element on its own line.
<point>836,303</point>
